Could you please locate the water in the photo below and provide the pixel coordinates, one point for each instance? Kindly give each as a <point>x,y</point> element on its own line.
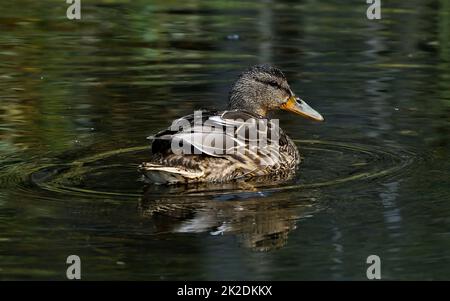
<point>78,99</point>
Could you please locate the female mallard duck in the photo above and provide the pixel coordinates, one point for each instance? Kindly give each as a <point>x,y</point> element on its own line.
<point>219,146</point>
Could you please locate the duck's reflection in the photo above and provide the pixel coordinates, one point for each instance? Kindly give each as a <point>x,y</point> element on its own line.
<point>260,220</point>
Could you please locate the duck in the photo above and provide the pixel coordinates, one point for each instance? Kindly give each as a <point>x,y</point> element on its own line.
<point>239,143</point>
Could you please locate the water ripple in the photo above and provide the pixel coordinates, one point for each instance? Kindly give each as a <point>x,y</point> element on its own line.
<point>114,174</point>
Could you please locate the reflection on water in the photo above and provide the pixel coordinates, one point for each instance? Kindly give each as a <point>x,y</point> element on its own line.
<point>259,224</point>
<point>77,100</point>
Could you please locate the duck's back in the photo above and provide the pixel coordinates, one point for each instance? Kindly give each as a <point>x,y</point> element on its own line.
<point>219,146</point>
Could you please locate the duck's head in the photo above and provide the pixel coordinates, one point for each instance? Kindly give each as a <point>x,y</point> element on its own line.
<point>264,88</point>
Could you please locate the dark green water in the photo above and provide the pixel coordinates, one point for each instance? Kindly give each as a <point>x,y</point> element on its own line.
<point>78,98</point>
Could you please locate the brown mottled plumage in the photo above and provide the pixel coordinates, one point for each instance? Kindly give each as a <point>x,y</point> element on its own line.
<point>256,92</point>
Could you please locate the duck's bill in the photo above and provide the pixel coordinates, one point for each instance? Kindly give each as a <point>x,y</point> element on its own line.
<point>300,107</point>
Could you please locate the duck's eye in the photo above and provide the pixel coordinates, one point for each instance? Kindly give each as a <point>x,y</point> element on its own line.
<point>274,84</point>
<point>278,86</point>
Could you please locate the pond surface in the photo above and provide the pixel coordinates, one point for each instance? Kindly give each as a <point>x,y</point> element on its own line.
<point>78,98</point>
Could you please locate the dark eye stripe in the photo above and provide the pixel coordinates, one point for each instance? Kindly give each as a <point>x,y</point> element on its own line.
<point>273,84</point>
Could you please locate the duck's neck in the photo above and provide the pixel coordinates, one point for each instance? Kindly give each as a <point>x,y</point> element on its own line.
<point>246,103</point>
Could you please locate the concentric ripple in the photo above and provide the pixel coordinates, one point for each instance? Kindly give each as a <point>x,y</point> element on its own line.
<point>325,164</point>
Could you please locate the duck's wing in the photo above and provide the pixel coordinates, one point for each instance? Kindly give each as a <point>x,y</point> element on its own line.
<point>219,134</point>
<point>188,135</point>
<point>229,144</point>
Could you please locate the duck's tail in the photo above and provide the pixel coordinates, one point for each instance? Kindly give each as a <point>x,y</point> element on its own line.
<point>160,174</point>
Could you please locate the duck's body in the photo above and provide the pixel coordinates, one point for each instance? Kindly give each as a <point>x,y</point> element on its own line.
<point>208,162</point>
<point>236,144</point>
